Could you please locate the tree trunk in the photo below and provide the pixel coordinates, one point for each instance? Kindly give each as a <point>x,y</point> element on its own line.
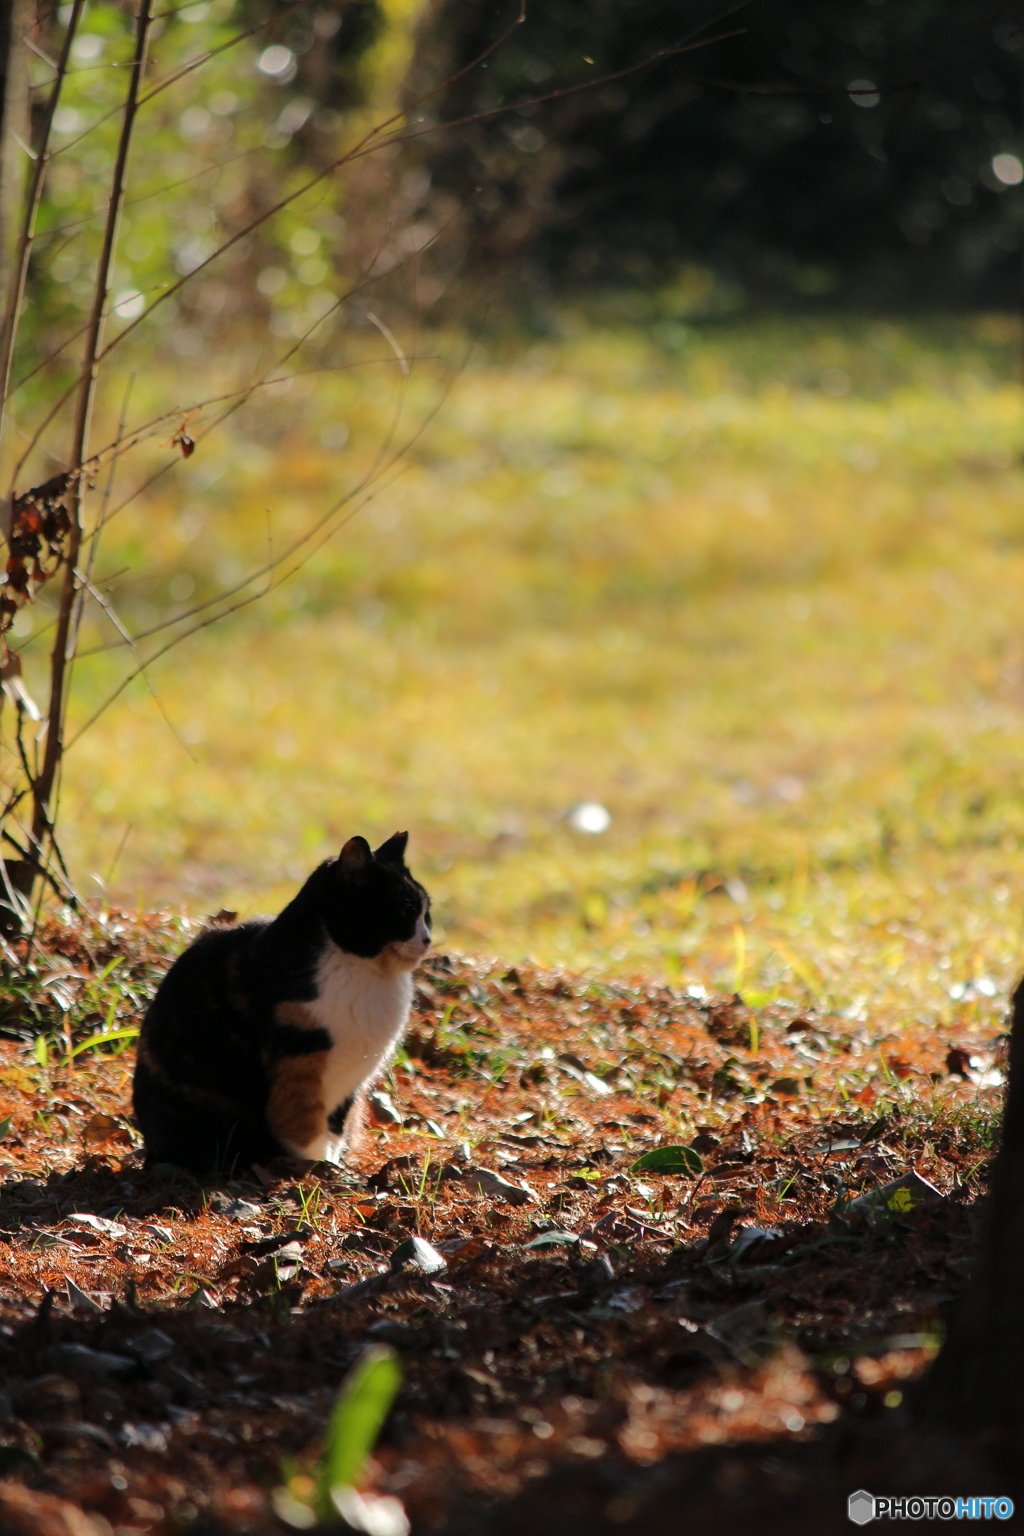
<point>977,1380</point>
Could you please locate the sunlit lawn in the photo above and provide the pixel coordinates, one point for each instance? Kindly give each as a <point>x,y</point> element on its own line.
<point>760,596</point>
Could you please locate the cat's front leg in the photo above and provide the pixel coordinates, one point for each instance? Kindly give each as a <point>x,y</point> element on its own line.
<point>296,1113</point>
<point>344,1125</point>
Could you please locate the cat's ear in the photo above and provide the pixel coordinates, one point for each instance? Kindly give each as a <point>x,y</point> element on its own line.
<point>393,851</point>
<point>355,858</point>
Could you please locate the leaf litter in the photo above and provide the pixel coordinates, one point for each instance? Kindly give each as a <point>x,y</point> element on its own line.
<point>601,1231</point>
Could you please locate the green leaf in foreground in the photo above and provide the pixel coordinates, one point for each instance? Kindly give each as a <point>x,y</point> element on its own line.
<point>15,1458</point>
<point>669,1160</point>
<point>363,1402</point>
<point>5,1126</point>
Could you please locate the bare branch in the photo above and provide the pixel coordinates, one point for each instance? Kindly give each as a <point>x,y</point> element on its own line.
<point>108,608</point>
<point>16,294</point>
<point>43,784</point>
<point>304,546</point>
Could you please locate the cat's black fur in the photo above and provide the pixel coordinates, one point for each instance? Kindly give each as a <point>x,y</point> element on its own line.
<point>235,1045</point>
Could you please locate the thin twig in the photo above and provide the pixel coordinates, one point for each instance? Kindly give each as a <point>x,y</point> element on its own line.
<point>19,275</point>
<point>129,639</point>
<point>42,787</point>
<point>100,520</point>
<point>319,527</point>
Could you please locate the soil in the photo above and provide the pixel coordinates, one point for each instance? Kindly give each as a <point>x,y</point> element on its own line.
<point>586,1346</point>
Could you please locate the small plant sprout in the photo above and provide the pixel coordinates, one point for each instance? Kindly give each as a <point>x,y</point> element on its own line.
<point>328,1495</point>
<point>309,1202</point>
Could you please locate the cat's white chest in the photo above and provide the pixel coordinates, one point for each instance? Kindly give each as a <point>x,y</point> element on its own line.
<point>364,1007</point>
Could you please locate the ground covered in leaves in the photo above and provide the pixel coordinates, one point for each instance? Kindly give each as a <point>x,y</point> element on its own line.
<point>580,1340</point>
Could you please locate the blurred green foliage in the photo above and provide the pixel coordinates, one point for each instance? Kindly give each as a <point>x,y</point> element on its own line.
<point>846,151</point>
<point>214,150</point>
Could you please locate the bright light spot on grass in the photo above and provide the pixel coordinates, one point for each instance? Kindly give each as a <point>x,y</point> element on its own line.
<point>129,304</point>
<point>1008,169</point>
<point>276,61</point>
<point>589,816</point>
<point>789,788</point>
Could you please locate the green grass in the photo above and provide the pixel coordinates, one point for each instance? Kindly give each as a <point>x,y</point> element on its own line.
<point>756,591</point>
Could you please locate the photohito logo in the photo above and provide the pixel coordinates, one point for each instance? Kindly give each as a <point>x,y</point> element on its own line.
<point>863,1506</point>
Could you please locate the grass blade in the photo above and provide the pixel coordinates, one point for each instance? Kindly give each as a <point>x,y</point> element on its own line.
<point>107,1037</point>
<point>363,1402</point>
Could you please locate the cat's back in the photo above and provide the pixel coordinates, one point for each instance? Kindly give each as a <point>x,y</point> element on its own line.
<point>214,976</point>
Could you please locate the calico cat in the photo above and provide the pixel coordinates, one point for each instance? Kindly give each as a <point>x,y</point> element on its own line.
<point>262,1036</point>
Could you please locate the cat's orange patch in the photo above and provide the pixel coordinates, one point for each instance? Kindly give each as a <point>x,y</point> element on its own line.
<point>295,1108</point>
<point>296,1112</point>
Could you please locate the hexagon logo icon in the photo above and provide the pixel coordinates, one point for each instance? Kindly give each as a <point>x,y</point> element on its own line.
<point>860,1507</point>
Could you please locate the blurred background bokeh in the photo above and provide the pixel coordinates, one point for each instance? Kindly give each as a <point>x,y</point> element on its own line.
<point>622,491</point>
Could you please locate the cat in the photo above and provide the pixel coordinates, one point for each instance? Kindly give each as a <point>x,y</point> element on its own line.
<point>262,1037</point>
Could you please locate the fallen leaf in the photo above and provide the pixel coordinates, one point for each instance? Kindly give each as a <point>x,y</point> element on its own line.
<point>491,1183</point>
<point>151,1347</point>
<point>100,1224</point>
<point>80,1298</point>
<point>162,1234</point>
<point>95,1362</point>
<point>959,1062</point>
<point>384,1178</point>
<point>419,1254</point>
<point>283,1241</point>
<point>100,1128</point>
<point>382,1110</point>
<point>901,1196</point>
<point>753,1243</point>
<point>576,1068</point>
<point>720,1232</point>
<point>670,1159</point>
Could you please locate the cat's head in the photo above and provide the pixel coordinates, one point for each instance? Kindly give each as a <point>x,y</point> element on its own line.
<point>374,904</point>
